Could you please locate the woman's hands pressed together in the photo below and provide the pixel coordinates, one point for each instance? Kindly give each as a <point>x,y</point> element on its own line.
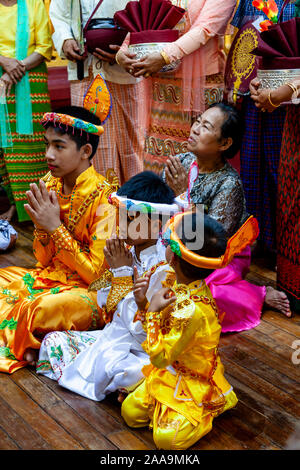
<point>176,176</point>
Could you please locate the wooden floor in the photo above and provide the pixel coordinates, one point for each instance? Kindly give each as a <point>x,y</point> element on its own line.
<point>36,413</point>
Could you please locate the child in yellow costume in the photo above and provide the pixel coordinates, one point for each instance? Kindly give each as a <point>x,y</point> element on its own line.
<point>184,387</point>
<point>70,233</point>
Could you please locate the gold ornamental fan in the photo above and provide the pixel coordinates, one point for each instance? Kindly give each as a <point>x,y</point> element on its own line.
<point>242,61</point>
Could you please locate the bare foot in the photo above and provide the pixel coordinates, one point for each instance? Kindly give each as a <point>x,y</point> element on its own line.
<point>30,356</point>
<point>277,300</point>
<point>8,215</point>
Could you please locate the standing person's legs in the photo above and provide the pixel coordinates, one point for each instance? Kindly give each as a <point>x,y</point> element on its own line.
<point>121,145</point>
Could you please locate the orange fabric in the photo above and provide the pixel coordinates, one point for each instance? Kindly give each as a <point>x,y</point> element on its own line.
<point>54,295</point>
<point>245,236</point>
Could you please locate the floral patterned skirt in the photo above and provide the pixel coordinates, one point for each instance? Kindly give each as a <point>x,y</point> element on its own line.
<point>31,307</point>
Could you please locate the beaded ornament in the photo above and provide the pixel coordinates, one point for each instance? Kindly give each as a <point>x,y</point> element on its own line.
<point>97,100</point>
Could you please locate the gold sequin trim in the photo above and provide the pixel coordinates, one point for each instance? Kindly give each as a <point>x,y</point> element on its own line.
<point>62,238</point>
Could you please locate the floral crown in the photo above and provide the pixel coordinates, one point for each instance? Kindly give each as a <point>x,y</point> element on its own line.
<point>97,100</point>
<point>245,236</point>
<point>133,205</point>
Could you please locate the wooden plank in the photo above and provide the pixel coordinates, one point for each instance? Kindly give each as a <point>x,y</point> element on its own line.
<point>217,439</point>
<point>55,407</point>
<point>271,359</point>
<point>291,325</point>
<point>6,443</point>
<point>264,388</point>
<point>93,412</point>
<point>269,343</point>
<point>242,429</point>
<point>125,440</point>
<point>259,368</point>
<point>278,425</point>
<point>258,268</point>
<point>35,417</point>
<point>19,431</point>
<point>105,416</point>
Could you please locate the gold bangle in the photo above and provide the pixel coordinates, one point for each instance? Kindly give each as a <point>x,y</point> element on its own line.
<point>293,87</point>
<point>165,57</point>
<point>116,59</point>
<point>270,101</point>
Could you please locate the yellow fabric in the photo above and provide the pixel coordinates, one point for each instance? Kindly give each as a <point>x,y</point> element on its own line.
<point>185,337</point>
<point>171,430</point>
<point>54,295</point>
<point>39,39</point>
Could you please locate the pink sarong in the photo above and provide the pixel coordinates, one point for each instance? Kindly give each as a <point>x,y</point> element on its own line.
<point>240,300</point>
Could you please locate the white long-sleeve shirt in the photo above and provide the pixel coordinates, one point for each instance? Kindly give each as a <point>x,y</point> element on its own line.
<point>60,15</point>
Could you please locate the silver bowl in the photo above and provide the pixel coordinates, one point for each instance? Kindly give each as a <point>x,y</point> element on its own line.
<point>276,78</point>
<point>142,50</point>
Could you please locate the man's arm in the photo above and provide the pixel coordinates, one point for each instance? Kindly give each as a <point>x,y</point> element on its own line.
<point>60,15</point>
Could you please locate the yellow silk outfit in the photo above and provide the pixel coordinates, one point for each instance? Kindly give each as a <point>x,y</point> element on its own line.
<point>54,295</point>
<point>184,388</point>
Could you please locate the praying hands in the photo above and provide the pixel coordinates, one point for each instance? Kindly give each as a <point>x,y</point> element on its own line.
<point>116,253</point>
<point>43,207</point>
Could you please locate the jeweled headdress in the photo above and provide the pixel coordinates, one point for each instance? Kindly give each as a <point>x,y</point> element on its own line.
<point>97,100</point>
<point>245,236</point>
<point>133,205</point>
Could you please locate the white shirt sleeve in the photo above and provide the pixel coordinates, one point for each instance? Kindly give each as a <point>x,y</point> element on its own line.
<point>60,15</point>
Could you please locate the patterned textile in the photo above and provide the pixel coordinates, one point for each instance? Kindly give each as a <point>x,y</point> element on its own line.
<point>169,127</point>
<point>54,295</point>
<point>288,210</point>
<point>185,383</point>
<point>259,159</point>
<point>247,12</point>
<point>260,151</point>
<point>115,359</point>
<point>24,163</point>
<point>121,145</point>
<point>221,192</point>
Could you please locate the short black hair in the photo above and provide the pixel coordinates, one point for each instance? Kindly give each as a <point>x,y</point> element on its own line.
<point>233,126</point>
<point>79,136</point>
<point>147,186</point>
<point>214,244</point>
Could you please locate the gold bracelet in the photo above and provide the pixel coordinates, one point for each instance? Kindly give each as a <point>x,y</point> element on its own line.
<point>293,87</point>
<point>62,238</point>
<point>116,59</point>
<point>270,101</point>
<point>165,57</point>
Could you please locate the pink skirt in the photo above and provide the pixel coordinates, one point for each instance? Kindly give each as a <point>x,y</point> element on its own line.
<point>238,300</point>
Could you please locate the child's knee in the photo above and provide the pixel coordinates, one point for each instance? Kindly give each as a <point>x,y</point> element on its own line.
<point>133,415</point>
